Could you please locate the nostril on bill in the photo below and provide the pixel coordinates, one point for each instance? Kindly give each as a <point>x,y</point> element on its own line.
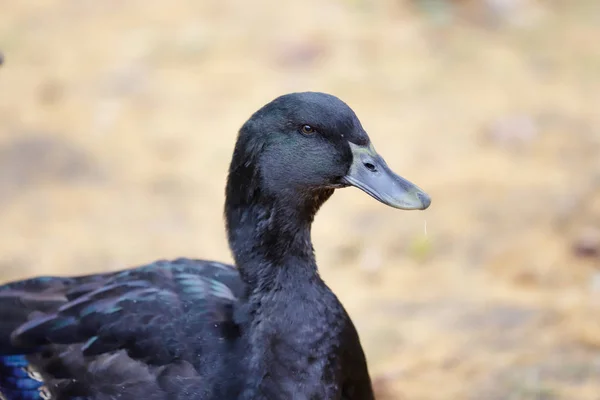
<point>370,167</point>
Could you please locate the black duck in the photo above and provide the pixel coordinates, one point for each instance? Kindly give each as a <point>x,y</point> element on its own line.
<point>196,329</point>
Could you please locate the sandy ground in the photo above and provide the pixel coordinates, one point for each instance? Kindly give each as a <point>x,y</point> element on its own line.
<point>117,121</point>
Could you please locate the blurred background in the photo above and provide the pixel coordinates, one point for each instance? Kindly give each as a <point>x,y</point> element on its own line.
<point>118,119</point>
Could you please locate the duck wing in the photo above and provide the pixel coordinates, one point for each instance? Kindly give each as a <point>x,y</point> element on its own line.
<point>124,332</point>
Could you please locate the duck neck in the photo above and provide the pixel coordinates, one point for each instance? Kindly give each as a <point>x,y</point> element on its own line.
<point>270,236</point>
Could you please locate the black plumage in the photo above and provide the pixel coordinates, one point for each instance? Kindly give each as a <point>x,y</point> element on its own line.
<point>195,329</point>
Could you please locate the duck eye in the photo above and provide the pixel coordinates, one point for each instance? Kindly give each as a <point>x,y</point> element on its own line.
<point>308,130</point>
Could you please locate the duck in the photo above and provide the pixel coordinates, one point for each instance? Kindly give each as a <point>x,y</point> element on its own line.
<point>267,327</point>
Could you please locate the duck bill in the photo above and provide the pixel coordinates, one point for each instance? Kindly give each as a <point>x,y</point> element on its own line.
<point>370,173</point>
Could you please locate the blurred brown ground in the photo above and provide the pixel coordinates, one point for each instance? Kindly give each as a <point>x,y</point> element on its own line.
<point>117,120</point>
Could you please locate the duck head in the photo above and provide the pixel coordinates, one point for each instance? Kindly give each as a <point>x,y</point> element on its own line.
<point>302,144</point>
